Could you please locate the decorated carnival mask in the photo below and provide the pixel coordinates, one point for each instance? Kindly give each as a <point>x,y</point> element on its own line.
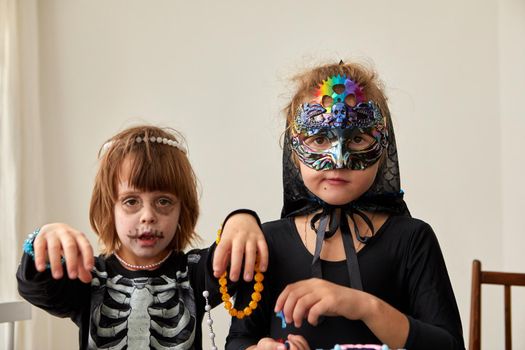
<point>339,129</point>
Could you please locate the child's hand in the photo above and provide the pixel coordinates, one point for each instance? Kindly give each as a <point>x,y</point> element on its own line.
<point>241,237</point>
<point>315,297</point>
<point>57,240</point>
<point>295,342</point>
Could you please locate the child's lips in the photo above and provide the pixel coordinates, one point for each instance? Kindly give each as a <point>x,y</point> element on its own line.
<point>336,181</point>
<point>146,235</point>
<point>147,239</point>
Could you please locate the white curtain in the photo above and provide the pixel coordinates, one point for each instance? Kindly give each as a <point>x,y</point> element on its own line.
<point>21,182</point>
<point>10,159</point>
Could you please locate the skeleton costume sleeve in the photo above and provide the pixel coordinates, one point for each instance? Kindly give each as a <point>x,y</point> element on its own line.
<point>52,295</point>
<point>123,309</point>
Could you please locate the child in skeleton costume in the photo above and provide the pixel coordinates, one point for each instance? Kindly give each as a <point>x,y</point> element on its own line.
<point>348,264</point>
<point>143,292</point>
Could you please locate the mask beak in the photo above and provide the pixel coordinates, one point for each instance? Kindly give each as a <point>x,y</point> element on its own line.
<point>340,162</point>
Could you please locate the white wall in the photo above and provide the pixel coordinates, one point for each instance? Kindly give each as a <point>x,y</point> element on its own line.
<point>217,71</point>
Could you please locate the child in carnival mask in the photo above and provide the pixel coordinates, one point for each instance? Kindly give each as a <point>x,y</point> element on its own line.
<point>348,264</point>
<point>143,291</point>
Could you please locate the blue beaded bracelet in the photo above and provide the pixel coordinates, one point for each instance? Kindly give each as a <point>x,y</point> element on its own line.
<point>29,249</point>
<point>28,243</point>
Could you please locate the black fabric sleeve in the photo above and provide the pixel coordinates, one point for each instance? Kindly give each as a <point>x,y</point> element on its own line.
<point>201,269</point>
<point>204,279</point>
<point>434,317</point>
<point>62,298</point>
<point>242,211</point>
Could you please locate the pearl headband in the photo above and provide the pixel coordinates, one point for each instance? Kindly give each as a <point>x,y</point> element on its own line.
<point>152,139</point>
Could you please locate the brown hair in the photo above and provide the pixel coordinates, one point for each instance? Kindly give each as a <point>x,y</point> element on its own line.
<point>308,81</point>
<point>155,167</point>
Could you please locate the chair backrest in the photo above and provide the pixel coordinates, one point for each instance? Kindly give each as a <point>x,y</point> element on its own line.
<point>480,277</point>
<point>11,312</point>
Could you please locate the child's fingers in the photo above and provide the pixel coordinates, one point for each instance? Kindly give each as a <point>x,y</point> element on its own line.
<point>269,344</point>
<point>236,260</point>
<point>285,294</point>
<point>55,256</point>
<point>83,274</point>
<point>262,252</point>
<point>250,255</point>
<point>71,253</point>
<point>237,255</point>
<point>86,252</point>
<point>40,250</point>
<point>285,346</point>
<point>281,299</point>
<point>221,257</point>
<point>298,342</point>
<point>316,311</point>
<point>290,303</point>
<point>302,307</point>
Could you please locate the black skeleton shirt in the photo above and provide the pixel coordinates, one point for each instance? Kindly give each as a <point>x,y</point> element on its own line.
<point>122,309</point>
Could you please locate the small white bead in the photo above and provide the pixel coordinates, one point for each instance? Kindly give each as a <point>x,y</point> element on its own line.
<point>214,348</point>
<point>164,140</point>
<point>212,335</point>
<point>170,142</point>
<point>207,308</point>
<point>159,139</point>
<point>138,139</point>
<point>205,294</point>
<point>209,321</point>
<point>152,139</point>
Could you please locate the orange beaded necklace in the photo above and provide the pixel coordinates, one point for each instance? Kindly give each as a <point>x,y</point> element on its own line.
<point>256,295</point>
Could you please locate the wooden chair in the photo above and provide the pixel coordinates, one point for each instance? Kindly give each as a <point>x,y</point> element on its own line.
<point>11,312</point>
<point>480,277</point>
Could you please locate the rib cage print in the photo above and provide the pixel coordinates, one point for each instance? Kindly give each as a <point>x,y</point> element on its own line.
<point>142,313</point>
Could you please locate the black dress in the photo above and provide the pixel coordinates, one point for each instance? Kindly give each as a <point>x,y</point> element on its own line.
<point>402,264</point>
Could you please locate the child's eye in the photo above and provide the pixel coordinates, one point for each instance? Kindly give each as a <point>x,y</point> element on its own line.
<point>318,142</point>
<point>360,142</point>
<point>130,202</point>
<point>164,202</point>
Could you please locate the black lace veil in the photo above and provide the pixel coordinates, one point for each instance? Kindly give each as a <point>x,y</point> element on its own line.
<point>383,196</point>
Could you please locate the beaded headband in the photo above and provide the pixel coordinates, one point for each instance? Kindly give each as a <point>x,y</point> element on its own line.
<point>152,139</point>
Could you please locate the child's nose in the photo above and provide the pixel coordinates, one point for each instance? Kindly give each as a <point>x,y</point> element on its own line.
<point>148,215</point>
